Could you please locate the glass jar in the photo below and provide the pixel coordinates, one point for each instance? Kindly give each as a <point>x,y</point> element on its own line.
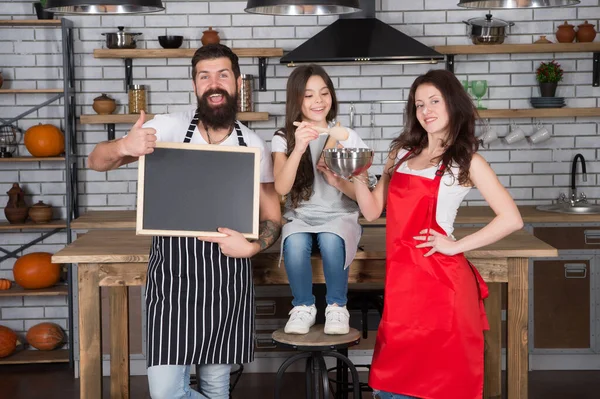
<point>137,99</point>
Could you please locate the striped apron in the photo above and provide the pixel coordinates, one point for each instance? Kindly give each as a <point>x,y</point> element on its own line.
<point>200,303</point>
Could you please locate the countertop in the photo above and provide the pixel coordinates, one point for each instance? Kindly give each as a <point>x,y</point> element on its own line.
<point>124,246</point>
<point>466,215</point>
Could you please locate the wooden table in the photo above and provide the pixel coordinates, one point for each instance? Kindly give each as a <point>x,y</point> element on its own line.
<point>118,259</point>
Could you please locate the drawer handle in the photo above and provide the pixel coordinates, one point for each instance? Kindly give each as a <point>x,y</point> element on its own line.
<point>265,343</point>
<point>266,308</point>
<point>592,237</point>
<point>575,270</point>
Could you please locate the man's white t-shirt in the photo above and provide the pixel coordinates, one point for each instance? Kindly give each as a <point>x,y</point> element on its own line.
<point>173,128</point>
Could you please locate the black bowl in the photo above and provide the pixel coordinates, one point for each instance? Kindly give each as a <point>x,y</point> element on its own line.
<point>170,41</point>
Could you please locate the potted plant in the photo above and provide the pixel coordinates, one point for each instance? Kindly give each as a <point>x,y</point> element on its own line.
<point>548,74</point>
<point>41,12</point>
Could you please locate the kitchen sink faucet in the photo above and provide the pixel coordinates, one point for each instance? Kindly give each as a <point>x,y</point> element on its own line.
<point>573,200</point>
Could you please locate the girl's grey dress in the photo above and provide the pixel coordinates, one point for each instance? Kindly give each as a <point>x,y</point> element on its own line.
<point>328,210</point>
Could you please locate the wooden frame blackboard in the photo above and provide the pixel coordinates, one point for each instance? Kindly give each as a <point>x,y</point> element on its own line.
<point>189,190</point>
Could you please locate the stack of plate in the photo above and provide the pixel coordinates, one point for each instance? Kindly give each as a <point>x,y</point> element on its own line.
<point>547,102</point>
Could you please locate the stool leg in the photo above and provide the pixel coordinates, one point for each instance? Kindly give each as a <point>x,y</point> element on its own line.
<point>344,367</point>
<point>338,377</point>
<point>324,376</point>
<point>309,378</point>
<point>355,379</point>
<point>283,367</point>
<point>315,376</point>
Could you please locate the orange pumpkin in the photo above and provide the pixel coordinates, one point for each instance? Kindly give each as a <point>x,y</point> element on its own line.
<point>36,270</point>
<point>5,284</point>
<point>8,341</point>
<point>44,141</point>
<point>45,336</point>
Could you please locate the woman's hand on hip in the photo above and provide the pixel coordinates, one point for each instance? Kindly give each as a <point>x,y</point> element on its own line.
<point>234,244</point>
<point>438,242</point>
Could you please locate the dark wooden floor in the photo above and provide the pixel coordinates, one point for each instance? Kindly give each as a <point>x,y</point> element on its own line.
<point>57,382</point>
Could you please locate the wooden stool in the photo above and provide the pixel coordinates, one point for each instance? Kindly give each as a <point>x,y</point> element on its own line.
<point>314,346</point>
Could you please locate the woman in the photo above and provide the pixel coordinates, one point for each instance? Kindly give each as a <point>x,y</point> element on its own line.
<point>430,340</point>
<point>320,208</point>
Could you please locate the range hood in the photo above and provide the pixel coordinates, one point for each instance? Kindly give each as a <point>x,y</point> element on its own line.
<point>361,38</point>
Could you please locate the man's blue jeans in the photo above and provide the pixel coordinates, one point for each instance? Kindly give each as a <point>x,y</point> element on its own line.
<point>173,382</point>
<point>387,395</point>
<point>297,249</point>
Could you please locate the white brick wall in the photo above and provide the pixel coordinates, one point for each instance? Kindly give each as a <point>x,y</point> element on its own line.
<point>534,173</point>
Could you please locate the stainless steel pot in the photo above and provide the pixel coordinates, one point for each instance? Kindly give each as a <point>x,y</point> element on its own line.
<point>120,39</point>
<point>487,30</point>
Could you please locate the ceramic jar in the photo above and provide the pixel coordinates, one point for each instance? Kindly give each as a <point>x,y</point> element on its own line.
<point>16,209</point>
<point>586,32</point>
<point>40,212</point>
<point>565,33</point>
<point>104,105</point>
<point>210,36</point>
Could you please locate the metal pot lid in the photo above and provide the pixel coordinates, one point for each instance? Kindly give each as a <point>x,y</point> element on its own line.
<point>489,22</point>
<point>121,32</point>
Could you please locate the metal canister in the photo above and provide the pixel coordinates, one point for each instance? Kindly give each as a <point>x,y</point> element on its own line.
<point>137,99</point>
<point>245,103</point>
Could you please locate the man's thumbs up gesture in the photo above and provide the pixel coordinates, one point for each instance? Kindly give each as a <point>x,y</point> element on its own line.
<point>139,141</point>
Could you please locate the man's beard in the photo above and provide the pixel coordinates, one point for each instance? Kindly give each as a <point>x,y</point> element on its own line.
<point>221,116</point>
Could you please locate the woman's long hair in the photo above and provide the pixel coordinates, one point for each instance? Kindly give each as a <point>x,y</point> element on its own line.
<point>461,144</point>
<point>302,188</point>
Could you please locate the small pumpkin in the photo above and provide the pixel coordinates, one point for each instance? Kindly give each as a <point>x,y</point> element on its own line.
<point>8,341</point>
<point>5,284</point>
<point>44,141</point>
<point>36,270</point>
<point>45,336</point>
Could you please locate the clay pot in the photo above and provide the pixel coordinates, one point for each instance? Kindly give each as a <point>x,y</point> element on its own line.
<point>40,212</point>
<point>565,33</point>
<point>16,209</point>
<point>104,105</point>
<point>210,36</point>
<point>586,32</point>
<point>542,40</point>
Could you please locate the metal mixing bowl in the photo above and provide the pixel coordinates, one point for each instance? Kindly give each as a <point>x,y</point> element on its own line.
<point>347,162</point>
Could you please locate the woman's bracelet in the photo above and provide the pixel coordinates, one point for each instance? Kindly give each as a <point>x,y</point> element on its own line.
<point>362,179</point>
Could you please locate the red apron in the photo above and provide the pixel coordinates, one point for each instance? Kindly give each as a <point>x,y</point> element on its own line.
<point>430,339</point>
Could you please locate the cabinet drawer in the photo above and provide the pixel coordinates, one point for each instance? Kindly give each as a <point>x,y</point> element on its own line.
<point>561,304</point>
<point>273,307</point>
<point>569,237</point>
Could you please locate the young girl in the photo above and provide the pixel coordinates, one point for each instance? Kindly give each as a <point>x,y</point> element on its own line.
<point>430,340</point>
<point>320,208</point>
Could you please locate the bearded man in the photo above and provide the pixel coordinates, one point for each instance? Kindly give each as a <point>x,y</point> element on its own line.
<point>199,292</point>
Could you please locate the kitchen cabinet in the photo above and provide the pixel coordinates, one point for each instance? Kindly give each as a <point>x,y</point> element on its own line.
<point>45,230</point>
<point>129,54</point>
<point>564,298</point>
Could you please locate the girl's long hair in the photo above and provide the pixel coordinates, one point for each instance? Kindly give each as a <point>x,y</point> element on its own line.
<point>302,188</point>
<point>461,142</point>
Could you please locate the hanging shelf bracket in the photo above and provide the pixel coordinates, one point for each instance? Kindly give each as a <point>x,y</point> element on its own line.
<point>596,70</point>
<point>450,62</point>
<point>262,74</point>
<point>14,253</point>
<point>128,73</point>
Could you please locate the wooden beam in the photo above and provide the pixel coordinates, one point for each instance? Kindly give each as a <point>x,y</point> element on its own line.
<point>30,22</point>
<point>7,91</point>
<point>91,119</point>
<point>492,387</point>
<point>538,113</point>
<point>517,362</point>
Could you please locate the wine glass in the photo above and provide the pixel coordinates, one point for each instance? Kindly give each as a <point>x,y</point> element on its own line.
<point>479,88</point>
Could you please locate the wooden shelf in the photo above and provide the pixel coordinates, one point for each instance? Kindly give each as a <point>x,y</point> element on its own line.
<point>91,119</point>
<point>538,113</point>
<point>15,290</point>
<point>36,356</point>
<point>31,159</point>
<point>7,91</point>
<point>520,48</point>
<point>54,224</point>
<point>30,22</point>
<point>181,53</point>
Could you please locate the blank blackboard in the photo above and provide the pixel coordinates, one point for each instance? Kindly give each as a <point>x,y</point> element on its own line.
<point>189,190</point>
